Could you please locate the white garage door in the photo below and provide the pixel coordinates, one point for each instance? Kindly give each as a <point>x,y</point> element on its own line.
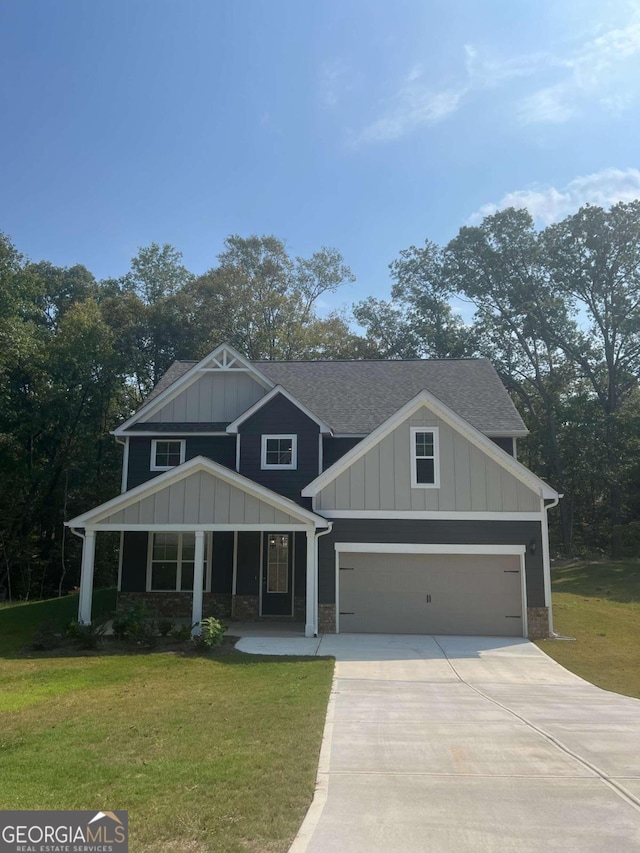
<point>430,594</point>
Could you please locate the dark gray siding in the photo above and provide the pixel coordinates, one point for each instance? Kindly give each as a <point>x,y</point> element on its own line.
<point>134,561</point>
<point>505,443</point>
<point>220,448</point>
<point>222,562</point>
<point>334,448</point>
<point>300,564</point>
<point>433,532</point>
<point>248,568</point>
<point>279,416</point>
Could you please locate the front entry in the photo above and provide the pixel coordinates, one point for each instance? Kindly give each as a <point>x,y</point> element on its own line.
<point>277,575</point>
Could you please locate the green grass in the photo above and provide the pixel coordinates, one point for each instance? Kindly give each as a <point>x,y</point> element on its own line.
<point>599,605</point>
<point>207,754</point>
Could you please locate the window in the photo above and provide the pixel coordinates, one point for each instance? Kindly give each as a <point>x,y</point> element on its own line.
<point>425,469</point>
<point>278,562</point>
<point>279,451</point>
<point>171,562</point>
<point>166,454</point>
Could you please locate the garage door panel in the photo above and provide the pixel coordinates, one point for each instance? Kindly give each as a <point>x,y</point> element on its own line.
<point>430,594</point>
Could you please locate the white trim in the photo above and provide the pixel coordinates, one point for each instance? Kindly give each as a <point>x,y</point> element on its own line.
<point>85,597</point>
<point>170,436</point>
<point>125,466</point>
<point>238,452</point>
<point>187,378</point>
<point>436,458</point>
<point>261,552</point>
<point>154,449</point>
<point>198,582</point>
<point>292,466</point>
<point>546,561</point>
<point>233,426</point>
<point>350,434</point>
<point>404,548</point>
<point>234,563</point>
<point>429,515</point>
<point>293,571</point>
<point>424,398</point>
<point>208,571</point>
<point>320,453</point>
<point>418,548</point>
<point>311,601</point>
<point>220,528</point>
<point>198,463</point>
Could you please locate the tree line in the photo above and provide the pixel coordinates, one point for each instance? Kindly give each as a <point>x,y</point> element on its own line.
<point>557,311</point>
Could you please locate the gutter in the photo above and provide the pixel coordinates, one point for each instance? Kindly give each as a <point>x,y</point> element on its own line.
<point>547,568</point>
<point>315,598</point>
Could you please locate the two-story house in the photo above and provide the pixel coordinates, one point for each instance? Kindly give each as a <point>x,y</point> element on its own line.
<point>355,496</point>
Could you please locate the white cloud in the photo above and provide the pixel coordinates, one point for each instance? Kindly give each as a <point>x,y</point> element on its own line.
<point>549,204</point>
<point>335,80</point>
<point>604,70</point>
<point>415,103</point>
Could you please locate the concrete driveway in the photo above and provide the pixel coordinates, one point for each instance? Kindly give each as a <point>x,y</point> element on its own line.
<point>456,744</point>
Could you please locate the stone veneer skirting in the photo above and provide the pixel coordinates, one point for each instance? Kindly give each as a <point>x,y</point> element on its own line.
<point>538,622</point>
<point>178,604</point>
<point>326,618</point>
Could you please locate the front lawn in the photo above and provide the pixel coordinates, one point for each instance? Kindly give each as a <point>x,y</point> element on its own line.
<point>206,753</point>
<point>599,605</point>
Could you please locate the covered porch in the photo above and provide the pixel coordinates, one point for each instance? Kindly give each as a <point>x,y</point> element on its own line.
<point>203,540</point>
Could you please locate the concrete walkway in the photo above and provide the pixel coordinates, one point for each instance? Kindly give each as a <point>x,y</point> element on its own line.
<point>459,744</point>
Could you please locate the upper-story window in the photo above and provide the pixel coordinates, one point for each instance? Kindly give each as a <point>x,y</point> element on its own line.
<point>279,451</point>
<point>425,464</point>
<point>167,454</point>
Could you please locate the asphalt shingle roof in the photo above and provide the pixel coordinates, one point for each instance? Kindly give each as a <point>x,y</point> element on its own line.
<point>357,396</point>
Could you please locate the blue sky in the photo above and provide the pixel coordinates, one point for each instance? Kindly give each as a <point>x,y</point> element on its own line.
<point>359,124</point>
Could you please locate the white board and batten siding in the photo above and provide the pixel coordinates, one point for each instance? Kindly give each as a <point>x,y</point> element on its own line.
<point>470,481</point>
<point>215,397</point>
<point>201,499</point>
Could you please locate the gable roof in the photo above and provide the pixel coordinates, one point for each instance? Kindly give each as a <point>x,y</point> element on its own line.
<point>357,396</point>
<point>424,398</point>
<point>198,463</point>
<point>223,357</point>
<point>278,390</point>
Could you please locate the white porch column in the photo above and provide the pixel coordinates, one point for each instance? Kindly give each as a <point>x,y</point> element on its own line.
<point>311,627</point>
<point>198,575</point>
<point>86,577</point>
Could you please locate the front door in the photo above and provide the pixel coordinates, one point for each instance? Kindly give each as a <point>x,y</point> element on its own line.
<point>277,575</point>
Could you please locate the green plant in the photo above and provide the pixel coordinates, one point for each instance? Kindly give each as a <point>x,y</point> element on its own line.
<point>180,632</point>
<point>136,624</point>
<point>211,633</point>
<point>165,626</point>
<point>120,626</point>
<point>46,637</point>
<point>86,636</point>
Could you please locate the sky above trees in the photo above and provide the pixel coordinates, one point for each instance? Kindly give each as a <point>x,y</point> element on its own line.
<point>360,124</point>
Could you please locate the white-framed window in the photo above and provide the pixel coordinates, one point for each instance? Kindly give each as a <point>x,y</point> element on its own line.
<point>278,562</point>
<point>167,453</point>
<point>279,452</point>
<point>171,558</point>
<point>425,462</point>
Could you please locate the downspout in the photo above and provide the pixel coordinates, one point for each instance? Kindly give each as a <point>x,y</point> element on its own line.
<point>547,558</point>
<point>125,462</point>
<point>315,599</point>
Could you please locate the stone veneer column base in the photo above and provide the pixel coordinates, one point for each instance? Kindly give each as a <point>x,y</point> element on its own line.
<point>326,618</point>
<point>537,623</point>
<point>245,608</point>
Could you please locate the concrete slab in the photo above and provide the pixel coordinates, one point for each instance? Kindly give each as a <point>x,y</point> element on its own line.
<point>451,744</point>
<point>423,814</point>
<point>299,646</point>
<point>492,748</point>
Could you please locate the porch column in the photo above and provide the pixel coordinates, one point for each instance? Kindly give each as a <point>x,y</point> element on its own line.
<point>310,628</point>
<point>86,577</point>
<point>198,575</point>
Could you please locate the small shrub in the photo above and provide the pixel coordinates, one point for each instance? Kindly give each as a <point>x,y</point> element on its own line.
<point>180,632</point>
<point>165,626</point>
<point>137,625</point>
<point>211,633</point>
<point>120,626</point>
<point>87,637</point>
<point>45,638</point>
